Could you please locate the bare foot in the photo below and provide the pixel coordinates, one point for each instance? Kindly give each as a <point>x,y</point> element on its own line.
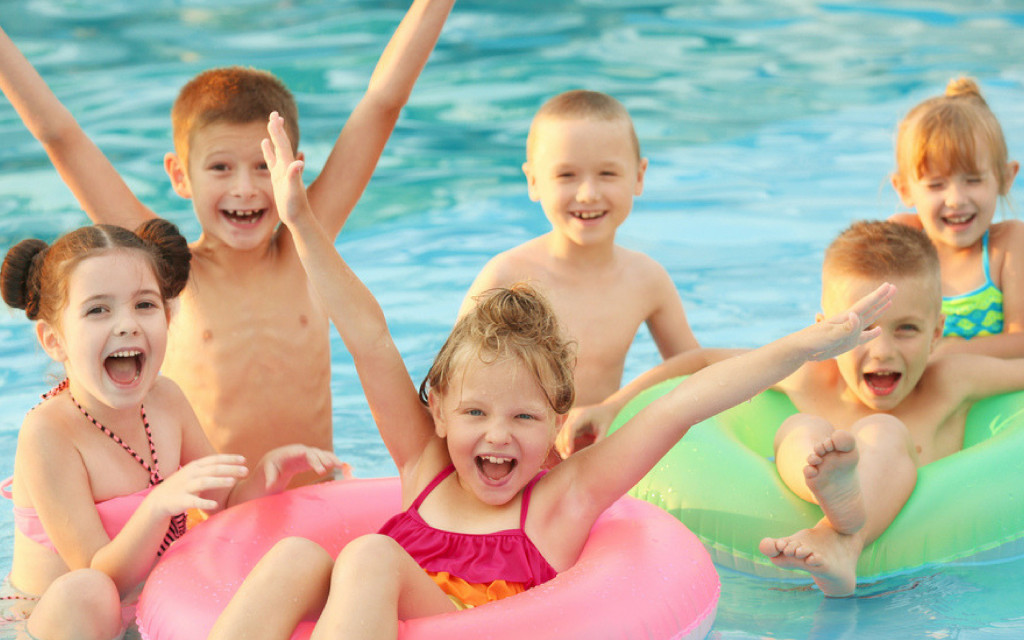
<point>829,556</point>
<point>831,475</point>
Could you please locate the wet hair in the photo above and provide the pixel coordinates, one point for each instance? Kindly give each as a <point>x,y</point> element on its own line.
<point>942,133</point>
<point>881,250</point>
<point>34,276</point>
<point>516,322</point>
<point>580,104</point>
<point>231,95</point>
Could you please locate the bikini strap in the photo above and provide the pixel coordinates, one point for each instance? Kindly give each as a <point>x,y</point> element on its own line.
<point>154,471</point>
<point>524,507</point>
<point>447,471</point>
<point>5,488</point>
<point>984,257</point>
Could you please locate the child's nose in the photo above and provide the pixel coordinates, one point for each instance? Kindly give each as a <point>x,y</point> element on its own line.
<point>587,191</point>
<point>126,326</point>
<point>954,195</point>
<point>497,433</point>
<point>244,184</point>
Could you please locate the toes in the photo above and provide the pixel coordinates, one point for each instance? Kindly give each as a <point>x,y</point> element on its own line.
<point>769,547</point>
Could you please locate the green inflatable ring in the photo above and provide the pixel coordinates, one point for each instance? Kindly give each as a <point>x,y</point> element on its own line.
<point>720,481</point>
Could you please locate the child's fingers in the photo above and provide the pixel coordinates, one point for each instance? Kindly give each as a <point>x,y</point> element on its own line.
<point>268,152</point>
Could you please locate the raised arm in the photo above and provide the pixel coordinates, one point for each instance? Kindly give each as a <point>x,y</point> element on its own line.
<point>404,423</point>
<point>597,418</point>
<point>635,448</point>
<point>351,163</point>
<point>94,182</point>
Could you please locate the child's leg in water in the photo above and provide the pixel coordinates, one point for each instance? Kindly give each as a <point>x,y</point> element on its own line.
<point>288,584</point>
<point>861,478</point>
<point>375,584</point>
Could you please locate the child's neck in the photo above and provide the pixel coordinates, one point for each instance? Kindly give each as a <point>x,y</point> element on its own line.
<point>564,249</point>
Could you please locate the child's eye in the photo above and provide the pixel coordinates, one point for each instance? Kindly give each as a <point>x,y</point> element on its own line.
<point>907,328</point>
<point>219,166</point>
<point>474,412</point>
<point>147,304</point>
<point>526,416</point>
<point>93,311</point>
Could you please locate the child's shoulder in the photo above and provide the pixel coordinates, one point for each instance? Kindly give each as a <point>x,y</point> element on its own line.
<point>1007,234</point>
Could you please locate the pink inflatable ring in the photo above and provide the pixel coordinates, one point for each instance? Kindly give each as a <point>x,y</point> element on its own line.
<point>642,574</point>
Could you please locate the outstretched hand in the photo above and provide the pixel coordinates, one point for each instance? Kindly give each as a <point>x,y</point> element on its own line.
<point>285,171</point>
<point>185,488</point>
<point>853,327</point>
<point>280,465</point>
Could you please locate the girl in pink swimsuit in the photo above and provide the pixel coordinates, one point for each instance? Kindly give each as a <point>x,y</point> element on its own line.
<point>482,520</point>
<point>111,459</point>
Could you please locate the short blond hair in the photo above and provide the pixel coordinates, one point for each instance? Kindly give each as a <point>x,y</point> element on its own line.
<point>580,104</point>
<point>233,95</point>
<point>941,134</point>
<point>881,250</point>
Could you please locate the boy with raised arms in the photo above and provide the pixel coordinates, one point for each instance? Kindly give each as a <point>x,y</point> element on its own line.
<point>583,165</point>
<point>250,346</point>
<point>869,417</point>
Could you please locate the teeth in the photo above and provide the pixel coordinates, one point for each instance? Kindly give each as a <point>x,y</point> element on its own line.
<point>243,214</point>
<point>588,215</point>
<point>496,459</point>
<point>126,354</point>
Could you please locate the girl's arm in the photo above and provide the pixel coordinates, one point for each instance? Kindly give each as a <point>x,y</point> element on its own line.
<point>351,163</point>
<point>585,484</point>
<point>598,418</point>
<point>404,423</point>
<point>93,180</point>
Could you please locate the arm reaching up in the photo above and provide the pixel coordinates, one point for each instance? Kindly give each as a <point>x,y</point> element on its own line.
<point>93,180</point>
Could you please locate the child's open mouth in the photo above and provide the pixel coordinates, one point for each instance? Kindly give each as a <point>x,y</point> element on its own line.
<point>244,217</point>
<point>495,467</point>
<point>124,367</point>
<point>882,383</point>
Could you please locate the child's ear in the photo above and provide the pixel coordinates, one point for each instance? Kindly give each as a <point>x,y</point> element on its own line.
<point>434,403</point>
<point>176,171</point>
<point>940,327</point>
<point>899,184</point>
<point>640,171</point>
<point>1012,168</point>
<point>49,339</point>
<point>531,182</point>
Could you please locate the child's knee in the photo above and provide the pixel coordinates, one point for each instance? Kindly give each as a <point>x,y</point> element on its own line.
<point>802,425</point>
<point>296,551</point>
<point>373,551</point>
<point>885,433</point>
<point>86,596</point>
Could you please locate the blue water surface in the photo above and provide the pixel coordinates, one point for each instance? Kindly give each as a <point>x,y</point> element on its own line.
<point>768,125</point>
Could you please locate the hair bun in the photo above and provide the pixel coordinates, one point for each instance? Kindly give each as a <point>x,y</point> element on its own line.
<point>19,276</point>
<point>172,248</point>
<point>963,87</point>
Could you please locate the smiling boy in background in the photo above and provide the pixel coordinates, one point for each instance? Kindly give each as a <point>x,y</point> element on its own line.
<point>583,165</point>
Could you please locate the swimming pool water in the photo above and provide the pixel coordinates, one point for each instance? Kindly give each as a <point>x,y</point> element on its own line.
<point>768,126</point>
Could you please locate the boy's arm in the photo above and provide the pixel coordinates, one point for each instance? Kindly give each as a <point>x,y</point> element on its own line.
<point>93,180</point>
<point>404,423</point>
<point>668,324</point>
<point>351,163</point>
<point>635,448</point>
